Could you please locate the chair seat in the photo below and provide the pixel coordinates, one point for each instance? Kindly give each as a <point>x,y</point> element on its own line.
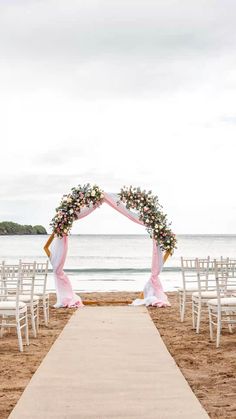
<point>46,295</point>
<point>226,301</point>
<point>25,298</point>
<point>10,305</point>
<point>187,290</point>
<point>206,294</point>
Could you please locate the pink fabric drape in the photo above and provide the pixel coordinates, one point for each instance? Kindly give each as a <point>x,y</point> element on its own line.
<point>65,294</point>
<point>153,291</point>
<point>109,199</point>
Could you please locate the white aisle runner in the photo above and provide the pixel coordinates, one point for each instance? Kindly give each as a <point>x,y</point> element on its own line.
<point>109,362</point>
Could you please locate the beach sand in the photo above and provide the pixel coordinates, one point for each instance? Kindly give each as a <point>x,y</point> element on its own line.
<point>209,371</point>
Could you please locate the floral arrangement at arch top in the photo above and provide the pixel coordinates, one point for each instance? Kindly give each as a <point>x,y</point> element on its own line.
<point>71,205</point>
<point>150,212</point>
<point>147,206</point>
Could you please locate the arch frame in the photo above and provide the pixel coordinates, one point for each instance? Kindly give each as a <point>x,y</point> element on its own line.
<point>84,200</point>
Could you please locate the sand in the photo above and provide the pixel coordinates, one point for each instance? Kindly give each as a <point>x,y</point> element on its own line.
<point>209,371</point>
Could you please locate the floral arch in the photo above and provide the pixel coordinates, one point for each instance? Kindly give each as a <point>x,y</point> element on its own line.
<point>139,206</point>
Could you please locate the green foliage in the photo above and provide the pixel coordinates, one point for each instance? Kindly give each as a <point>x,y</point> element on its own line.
<point>10,228</point>
<point>150,213</point>
<point>39,229</point>
<point>71,205</point>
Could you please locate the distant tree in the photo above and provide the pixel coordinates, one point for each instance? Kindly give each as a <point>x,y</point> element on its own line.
<point>10,228</point>
<point>39,229</point>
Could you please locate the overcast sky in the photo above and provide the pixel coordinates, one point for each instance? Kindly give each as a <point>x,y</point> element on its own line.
<point>119,92</point>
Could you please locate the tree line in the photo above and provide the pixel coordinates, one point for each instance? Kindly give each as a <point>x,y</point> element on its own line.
<point>8,228</point>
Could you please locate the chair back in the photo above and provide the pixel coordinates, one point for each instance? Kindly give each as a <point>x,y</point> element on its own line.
<point>10,283</point>
<point>11,273</point>
<point>206,281</point>
<point>28,278</point>
<point>40,273</point>
<point>3,290</point>
<point>189,270</point>
<point>225,275</point>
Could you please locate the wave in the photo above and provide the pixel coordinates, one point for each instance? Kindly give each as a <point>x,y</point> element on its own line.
<point>117,270</point>
<point>108,257</point>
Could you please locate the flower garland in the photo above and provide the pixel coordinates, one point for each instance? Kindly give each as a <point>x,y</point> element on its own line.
<point>71,205</point>
<point>150,212</point>
<point>147,206</point>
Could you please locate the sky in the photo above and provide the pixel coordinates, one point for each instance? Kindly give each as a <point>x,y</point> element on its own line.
<point>119,92</point>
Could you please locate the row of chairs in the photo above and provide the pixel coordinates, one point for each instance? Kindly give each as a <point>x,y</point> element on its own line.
<point>22,294</point>
<point>209,284</point>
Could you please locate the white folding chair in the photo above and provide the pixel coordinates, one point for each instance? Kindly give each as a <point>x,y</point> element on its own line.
<point>40,285</point>
<point>27,295</point>
<point>41,274</point>
<point>13,313</point>
<point>206,289</point>
<point>189,278</point>
<point>222,310</point>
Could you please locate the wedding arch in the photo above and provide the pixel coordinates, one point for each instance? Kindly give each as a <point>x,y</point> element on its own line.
<point>140,206</point>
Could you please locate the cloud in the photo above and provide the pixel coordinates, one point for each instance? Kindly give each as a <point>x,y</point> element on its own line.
<point>34,186</point>
<point>84,30</point>
<point>118,92</point>
<point>57,156</point>
<point>229,119</point>
<point>37,186</point>
<point>114,48</point>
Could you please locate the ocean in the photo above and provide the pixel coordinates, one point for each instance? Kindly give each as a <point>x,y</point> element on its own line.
<point>116,262</point>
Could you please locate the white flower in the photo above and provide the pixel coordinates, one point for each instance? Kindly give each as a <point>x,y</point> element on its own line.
<point>71,211</point>
<point>68,200</point>
<point>93,193</point>
<point>102,196</point>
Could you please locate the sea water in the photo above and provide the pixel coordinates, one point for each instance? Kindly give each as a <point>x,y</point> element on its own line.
<point>116,262</point>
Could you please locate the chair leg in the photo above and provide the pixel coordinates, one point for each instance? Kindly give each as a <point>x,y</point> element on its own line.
<point>48,302</point>
<point>45,312</point>
<point>26,330</point>
<point>230,328</point>
<point>198,317</point>
<point>33,321</point>
<point>183,308</point>
<point>180,304</point>
<point>37,317</point>
<point>18,329</point>
<point>2,327</point>
<point>193,314</point>
<point>210,324</point>
<point>218,332</point>
<point>229,324</point>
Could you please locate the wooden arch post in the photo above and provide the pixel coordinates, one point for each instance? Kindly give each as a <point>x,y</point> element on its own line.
<point>47,244</point>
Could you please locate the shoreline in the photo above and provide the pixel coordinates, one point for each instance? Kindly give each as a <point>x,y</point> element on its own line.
<point>209,371</point>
